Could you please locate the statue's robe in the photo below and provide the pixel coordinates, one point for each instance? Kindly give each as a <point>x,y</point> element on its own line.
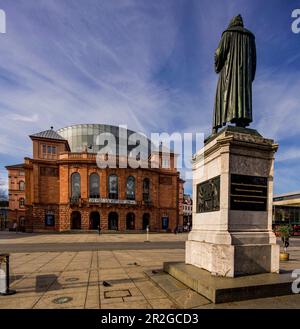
<point>235,61</point>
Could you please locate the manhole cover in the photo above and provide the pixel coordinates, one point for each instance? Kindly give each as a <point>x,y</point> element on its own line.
<point>117,293</point>
<point>72,279</point>
<point>62,300</point>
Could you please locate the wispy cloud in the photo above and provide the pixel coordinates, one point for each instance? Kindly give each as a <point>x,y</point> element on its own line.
<point>147,64</point>
<point>276,104</point>
<point>289,153</point>
<point>18,117</point>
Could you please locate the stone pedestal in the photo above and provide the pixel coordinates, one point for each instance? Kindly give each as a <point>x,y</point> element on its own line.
<point>232,205</point>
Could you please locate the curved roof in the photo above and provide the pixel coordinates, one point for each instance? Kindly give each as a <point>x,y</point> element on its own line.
<point>82,136</point>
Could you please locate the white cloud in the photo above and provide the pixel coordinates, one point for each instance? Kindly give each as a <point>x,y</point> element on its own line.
<point>18,117</point>
<point>66,62</point>
<point>68,68</point>
<point>276,105</point>
<point>289,153</point>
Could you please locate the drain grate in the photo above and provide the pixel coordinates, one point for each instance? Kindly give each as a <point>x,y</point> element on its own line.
<point>62,300</point>
<point>117,293</point>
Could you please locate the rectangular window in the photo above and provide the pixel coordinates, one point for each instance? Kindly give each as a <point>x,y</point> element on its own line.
<point>49,149</point>
<point>22,186</point>
<point>165,163</point>
<point>44,149</point>
<point>53,149</point>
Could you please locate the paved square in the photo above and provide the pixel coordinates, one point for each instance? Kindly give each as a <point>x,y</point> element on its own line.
<point>110,278</point>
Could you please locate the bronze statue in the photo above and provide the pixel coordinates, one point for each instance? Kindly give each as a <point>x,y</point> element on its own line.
<point>235,61</point>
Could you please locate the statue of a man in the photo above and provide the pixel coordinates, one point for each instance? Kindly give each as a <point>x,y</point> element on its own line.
<point>235,61</point>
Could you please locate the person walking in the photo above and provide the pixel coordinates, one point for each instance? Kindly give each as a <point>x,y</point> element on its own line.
<point>15,226</point>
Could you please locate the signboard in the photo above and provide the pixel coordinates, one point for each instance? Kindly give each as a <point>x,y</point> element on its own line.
<point>208,195</point>
<point>112,201</point>
<point>248,193</point>
<point>49,219</point>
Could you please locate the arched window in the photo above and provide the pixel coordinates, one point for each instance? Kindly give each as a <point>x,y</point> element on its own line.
<point>22,185</point>
<point>21,202</point>
<point>130,188</point>
<point>75,185</point>
<point>146,189</point>
<point>113,187</point>
<point>94,186</point>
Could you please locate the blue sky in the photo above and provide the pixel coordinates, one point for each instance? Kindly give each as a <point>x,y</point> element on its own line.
<point>147,64</point>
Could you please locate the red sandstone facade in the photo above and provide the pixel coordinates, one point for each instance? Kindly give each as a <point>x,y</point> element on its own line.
<point>50,203</point>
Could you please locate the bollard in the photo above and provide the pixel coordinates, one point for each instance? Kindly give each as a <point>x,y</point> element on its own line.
<point>147,234</point>
<point>7,290</point>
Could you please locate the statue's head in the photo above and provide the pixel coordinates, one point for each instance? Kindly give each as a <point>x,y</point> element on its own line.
<point>236,21</point>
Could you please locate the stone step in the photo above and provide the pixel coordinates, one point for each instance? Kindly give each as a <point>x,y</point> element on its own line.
<point>182,296</point>
<point>223,289</point>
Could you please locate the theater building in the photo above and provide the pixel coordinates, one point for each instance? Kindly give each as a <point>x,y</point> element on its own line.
<point>66,190</point>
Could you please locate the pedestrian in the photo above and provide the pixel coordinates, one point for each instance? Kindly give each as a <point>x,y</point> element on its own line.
<point>15,226</point>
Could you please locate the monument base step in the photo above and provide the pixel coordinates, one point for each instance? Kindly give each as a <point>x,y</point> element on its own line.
<point>223,289</point>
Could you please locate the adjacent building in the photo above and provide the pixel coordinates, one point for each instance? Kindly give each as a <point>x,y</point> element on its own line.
<point>286,210</point>
<point>187,211</point>
<point>62,188</point>
<point>4,208</point>
<point>16,195</point>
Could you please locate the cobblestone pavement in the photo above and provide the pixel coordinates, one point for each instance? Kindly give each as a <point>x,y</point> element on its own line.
<point>111,279</point>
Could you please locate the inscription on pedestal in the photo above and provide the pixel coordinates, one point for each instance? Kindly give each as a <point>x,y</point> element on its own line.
<point>208,195</point>
<point>248,193</point>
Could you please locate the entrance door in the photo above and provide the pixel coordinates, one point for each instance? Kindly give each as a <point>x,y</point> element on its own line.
<point>165,222</point>
<point>75,220</point>
<point>130,221</point>
<point>94,220</point>
<point>113,219</point>
<point>146,221</point>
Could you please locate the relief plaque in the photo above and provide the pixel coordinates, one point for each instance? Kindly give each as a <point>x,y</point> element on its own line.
<point>208,195</point>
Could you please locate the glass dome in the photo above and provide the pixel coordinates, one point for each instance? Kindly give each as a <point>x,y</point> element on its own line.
<point>84,136</point>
